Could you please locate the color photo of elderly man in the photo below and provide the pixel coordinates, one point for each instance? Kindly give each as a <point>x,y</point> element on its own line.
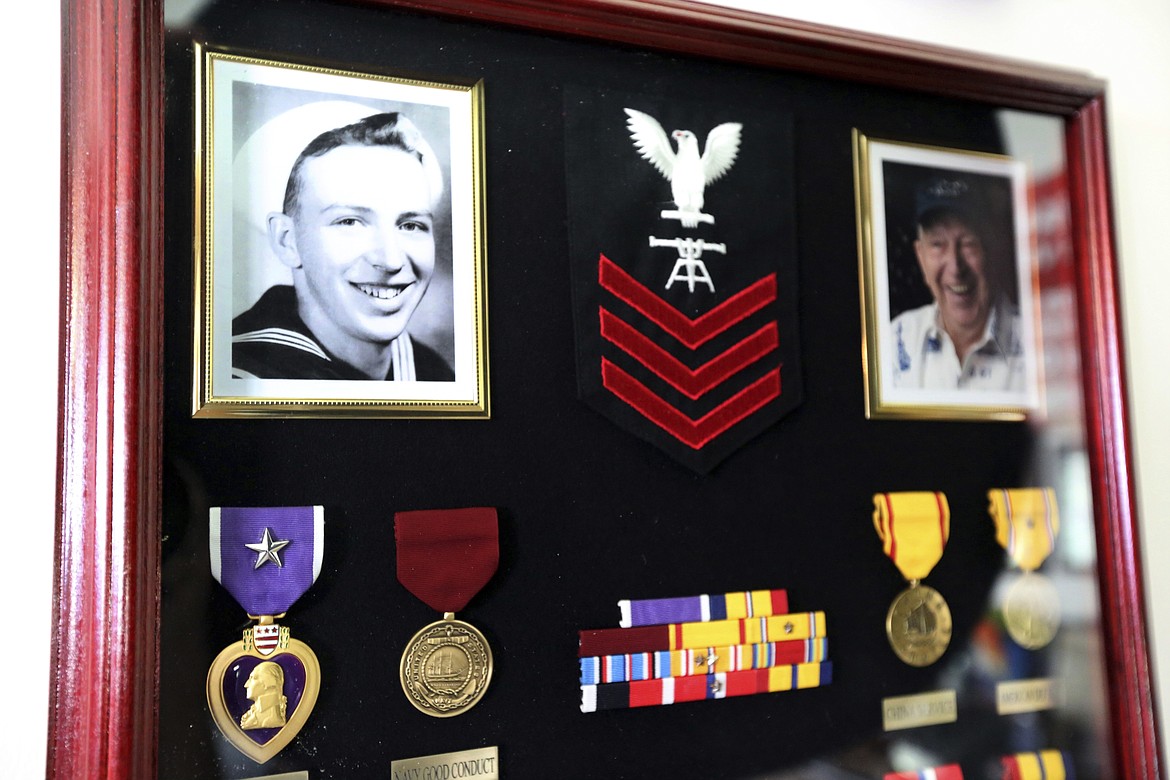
<point>949,283</point>
<point>969,334</point>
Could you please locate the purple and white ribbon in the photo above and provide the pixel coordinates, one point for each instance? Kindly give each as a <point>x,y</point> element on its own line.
<point>267,557</point>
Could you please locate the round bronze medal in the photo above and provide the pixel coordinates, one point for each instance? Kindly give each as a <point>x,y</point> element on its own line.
<point>919,625</point>
<point>446,668</point>
<point>1031,610</point>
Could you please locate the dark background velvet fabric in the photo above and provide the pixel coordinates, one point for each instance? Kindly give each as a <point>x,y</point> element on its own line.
<point>589,514</point>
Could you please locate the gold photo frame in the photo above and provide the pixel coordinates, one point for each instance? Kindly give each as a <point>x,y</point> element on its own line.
<point>949,283</point>
<point>340,265</point>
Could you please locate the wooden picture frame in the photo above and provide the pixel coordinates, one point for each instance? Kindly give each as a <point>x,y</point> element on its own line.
<point>104,707</point>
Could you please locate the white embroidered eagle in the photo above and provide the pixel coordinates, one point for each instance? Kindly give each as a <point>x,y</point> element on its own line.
<point>687,172</point>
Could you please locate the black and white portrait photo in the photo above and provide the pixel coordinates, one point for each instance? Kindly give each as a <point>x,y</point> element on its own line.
<point>949,281</point>
<point>343,266</point>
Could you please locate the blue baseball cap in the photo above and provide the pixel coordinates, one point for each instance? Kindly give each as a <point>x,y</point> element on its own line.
<point>955,194</point>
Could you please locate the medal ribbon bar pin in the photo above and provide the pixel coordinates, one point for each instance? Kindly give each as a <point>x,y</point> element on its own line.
<point>1040,765</point>
<point>262,689</point>
<point>948,772</point>
<point>1027,523</point>
<point>914,528</point>
<point>722,685</point>
<point>694,636</point>
<point>701,608</point>
<point>444,558</point>
<point>659,664</point>
<point>688,609</point>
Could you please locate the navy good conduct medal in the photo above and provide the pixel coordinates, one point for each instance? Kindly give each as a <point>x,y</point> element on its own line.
<point>444,558</point>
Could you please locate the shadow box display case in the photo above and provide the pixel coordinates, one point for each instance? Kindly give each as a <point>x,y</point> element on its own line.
<point>790,441</point>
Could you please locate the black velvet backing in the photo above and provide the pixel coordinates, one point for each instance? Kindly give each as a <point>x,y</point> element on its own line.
<point>588,513</point>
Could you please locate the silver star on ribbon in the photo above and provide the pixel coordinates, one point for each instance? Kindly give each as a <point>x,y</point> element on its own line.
<point>267,549</point>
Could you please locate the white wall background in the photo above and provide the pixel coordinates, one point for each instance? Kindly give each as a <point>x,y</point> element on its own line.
<point>1122,41</point>
<point>29,218</point>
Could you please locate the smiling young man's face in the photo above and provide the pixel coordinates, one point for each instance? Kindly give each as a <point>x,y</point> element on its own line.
<point>361,245</point>
<point>953,262</point>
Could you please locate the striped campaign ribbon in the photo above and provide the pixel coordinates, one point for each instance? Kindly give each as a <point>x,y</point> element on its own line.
<point>1042,765</point>
<point>1027,523</point>
<point>948,772</point>
<point>686,663</point>
<point>697,609</point>
<point>672,690</point>
<point>698,635</point>
<point>914,528</point>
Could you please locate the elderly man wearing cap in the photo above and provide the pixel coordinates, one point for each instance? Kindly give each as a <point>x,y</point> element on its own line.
<point>969,336</point>
<point>357,231</point>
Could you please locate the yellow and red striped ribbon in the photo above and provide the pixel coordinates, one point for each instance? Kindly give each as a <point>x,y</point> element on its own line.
<point>747,631</point>
<point>691,636</point>
<point>1042,765</point>
<point>914,528</point>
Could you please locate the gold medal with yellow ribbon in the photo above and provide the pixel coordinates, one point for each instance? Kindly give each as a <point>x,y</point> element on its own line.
<point>914,528</point>
<point>1027,523</point>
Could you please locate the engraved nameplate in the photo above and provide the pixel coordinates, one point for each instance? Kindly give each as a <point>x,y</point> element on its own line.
<point>479,764</point>
<point>923,709</point>
<point>1026,696</point>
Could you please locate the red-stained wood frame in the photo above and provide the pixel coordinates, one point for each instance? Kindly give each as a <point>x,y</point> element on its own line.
<point>105,651</point>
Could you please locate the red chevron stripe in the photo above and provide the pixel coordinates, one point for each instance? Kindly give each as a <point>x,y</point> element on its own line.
<point>691,332</point>
<point>696,434</point>
<point>691,383</point>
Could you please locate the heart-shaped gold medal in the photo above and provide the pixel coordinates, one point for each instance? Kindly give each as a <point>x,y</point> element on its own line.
<point>262,689</point>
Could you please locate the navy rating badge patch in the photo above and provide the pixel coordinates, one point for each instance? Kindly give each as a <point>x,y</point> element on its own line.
<point>683,255</point>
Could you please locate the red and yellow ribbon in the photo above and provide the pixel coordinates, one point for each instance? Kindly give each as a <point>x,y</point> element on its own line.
<point>1044,765</point>
<point>673,690</point>
<point>914,528</point>
<point>691,636</point>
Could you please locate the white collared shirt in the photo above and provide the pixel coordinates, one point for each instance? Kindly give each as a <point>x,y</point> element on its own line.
<point>925,357</point>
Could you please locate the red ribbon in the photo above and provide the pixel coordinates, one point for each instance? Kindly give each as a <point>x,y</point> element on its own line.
<point>948,772</point>
<point>445,556</point>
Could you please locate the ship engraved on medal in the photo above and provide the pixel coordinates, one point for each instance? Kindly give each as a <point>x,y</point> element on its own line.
<point>446,668</point>
<point>918,625</point>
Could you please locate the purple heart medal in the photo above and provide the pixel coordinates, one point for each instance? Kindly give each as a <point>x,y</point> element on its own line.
<point>262,688</point>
